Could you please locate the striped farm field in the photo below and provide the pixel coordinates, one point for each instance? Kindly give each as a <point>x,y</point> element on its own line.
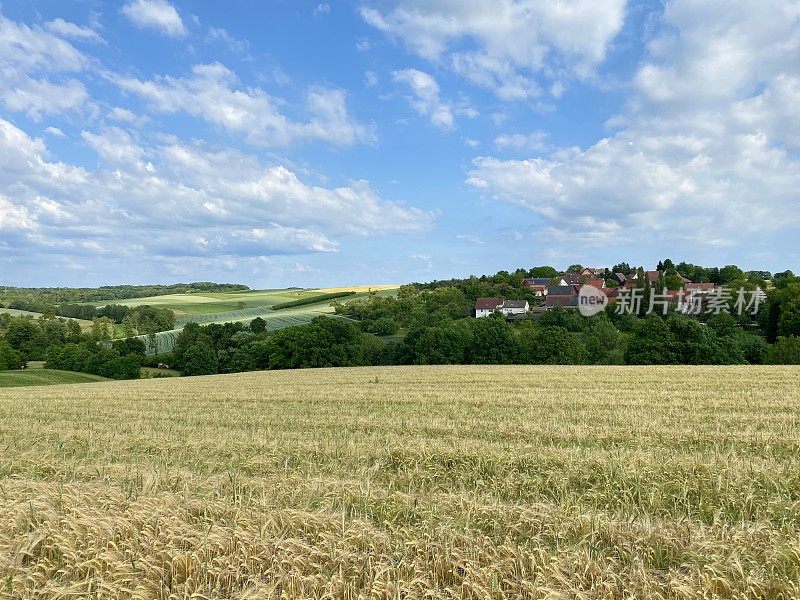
<point>164,341</point>
<point>406,482</point>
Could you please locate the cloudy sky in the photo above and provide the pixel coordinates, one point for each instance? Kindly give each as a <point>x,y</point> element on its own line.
<point>288,142</point>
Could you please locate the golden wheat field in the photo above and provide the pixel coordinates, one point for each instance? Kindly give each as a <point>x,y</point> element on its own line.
<point>408,482</point>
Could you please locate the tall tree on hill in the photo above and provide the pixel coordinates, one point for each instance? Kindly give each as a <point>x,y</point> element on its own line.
<point>9,358</point>
<point>258,325</point>
<point>544,272</point>
<point>493,342</point>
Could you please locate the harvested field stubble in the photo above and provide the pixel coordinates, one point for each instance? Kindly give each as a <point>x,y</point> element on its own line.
<point>438,482</point>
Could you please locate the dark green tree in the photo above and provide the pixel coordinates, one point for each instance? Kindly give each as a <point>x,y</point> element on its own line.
<point>604,343</point>
<point>199,359</point>
<point>652,343</point>
<point>786,351</point>
<point>9,358</point>
<point>258,325</point>
<point>553,346</point>
<point>493,342</point>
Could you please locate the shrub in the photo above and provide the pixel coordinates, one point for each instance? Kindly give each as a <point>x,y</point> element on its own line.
<point>9,358</point>
<point>786,351</point>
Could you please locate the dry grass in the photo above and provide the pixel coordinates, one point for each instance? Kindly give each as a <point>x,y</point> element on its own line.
<point>436,482</point>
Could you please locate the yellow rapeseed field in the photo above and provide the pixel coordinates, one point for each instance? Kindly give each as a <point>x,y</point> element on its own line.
<point>408,482</point>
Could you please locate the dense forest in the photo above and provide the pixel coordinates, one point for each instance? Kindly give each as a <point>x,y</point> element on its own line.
<point>431,324</point>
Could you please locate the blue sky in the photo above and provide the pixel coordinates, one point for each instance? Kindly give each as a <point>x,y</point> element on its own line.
<point>284,143</point>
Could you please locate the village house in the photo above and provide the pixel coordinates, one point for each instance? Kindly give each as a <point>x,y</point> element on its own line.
<point>700,288</point>
<point>486,306</point>
<point>596,282</point>
<point>567,279</point>
<point>612,294</point>
<point>538,285</point>
<point>591,273</point>
<point>561,295</point>
<point>509,308</point>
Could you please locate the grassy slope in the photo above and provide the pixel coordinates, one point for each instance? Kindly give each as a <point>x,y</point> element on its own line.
<point>478,482</point>
<point>44,377</point>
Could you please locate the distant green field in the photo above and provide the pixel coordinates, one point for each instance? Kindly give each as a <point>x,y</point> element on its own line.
<point>44,377</point>
<point>185,305</point>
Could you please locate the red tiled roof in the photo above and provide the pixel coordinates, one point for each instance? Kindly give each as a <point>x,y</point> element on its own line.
<point>487,303</point>
<point>700,287</point>
<point>560,301</point>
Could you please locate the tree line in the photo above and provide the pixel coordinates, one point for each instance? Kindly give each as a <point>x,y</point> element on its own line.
<point>139,320</point>
<point>62,345</point>
<point>557,337</point>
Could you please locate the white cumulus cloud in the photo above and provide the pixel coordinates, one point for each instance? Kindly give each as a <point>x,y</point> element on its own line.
<point>212,93</point>
<point>155,14</point>
<point>37,71</point>
<point>66,29</point>
<point>505,45</point>
<point>425,97</point>
<point>707,153</point>
<point>177,199</point>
